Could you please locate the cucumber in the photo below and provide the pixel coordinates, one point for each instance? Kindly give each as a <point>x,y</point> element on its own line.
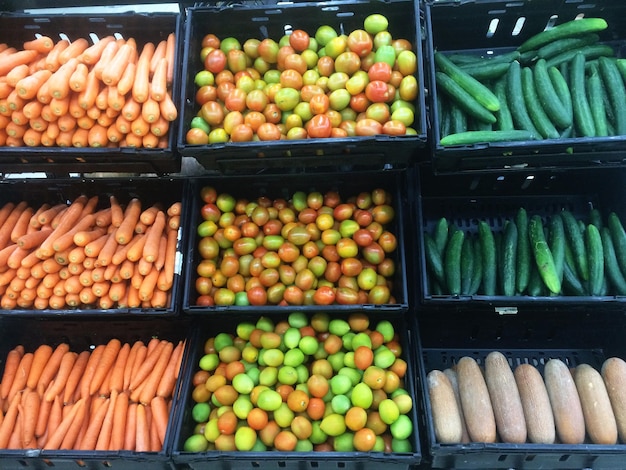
<point>594,94</point>
<point>484,70</point>
<point>618,235</point>
<point>488,252</point>
<point>477,276</point>
<point>611,267</point>
<point>504,120</point>
<point>577,244</point>
<point>462,98</point>
<point>595,217</point>
<point>535,110</point>
<point>543,255</point>
<point>589,52</point>
<point>467,59</point>
<point>556,242</point>
<point>571,283</point>
<point>444,115</point>
<point>595,252</point>
<point>475,137</point>
<point>497,237</point>
<point>473,87</point>
<point>467,265</point>
<point>515,95</point>
<point>562,45</point>
<point>583,119</point>
<point>535,284</point>
<point>561,89</point>
<point>452,262</point>
<point>509,258</point>
<point>570,28</point>
<point>523,251</point>
<point>548,97</point>
<point>616,91</point>
<point>434,261</point>
<point>458,119</point>
<point>441,234</point>
<point>621,66</point>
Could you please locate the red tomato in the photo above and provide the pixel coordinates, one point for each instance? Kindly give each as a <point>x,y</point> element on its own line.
<point>268,131</point>
<point>360,42</point>
<point>394,127</point>
<point>325,66</point>
<point>268,50</point>
<point>197,136</point>
<point>290,78</point>
<point>319,104</point>
<point>272,113</point>
<point>296,62</point>
<point>324,295</point>
<point>224,89</point>
<point>337,132</point>
<point>367,126</point>
<point>241,133</point>
<point>236,100</point>
<point>308,91</point>
<point>377,91</point>
<point>379,71</point>
<point>359,102</point>
<point>212,112</point>
<point>283,52</point>
<point>211,40</point>
<point>206,93</point>
<point>254,119</point>
<point>224,76</point>
<point>256,100</point>
<point>215,61</point>
<point>319,126</point>
<point>299,40</point>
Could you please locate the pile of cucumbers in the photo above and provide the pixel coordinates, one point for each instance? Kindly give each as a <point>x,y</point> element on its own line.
<point>530,256</point>
<point>560,83</point>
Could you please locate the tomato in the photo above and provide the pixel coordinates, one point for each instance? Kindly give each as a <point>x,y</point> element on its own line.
<point>272,113</point>
<point>217,136</point>
<point>261,65</point>
<point>408,88</point>
<point>242,133</point>
<point>299,40</point>
<point>360,42</point>
<point>283,52</point>
<point>287,98</point>
<point>236,100</point>
<point>257,296</point>
<point>268,131</point>
<point>254,119</point>
<point>324,296</point>
<point>251,48</point>
<point>244,81</point>
<point>359,102</point>
<point>224,89</point>
<point>256,100</point>
<point>230,43</point>
<point>336,46</point>
<point>303,109</point>
<point>325,66</point>
<point>271,89</point>
<point>379,71</point>
<point>319,103</point>
<point>212,112</point>
<point>224,76</point>
<point>407,62</point>
<point>236,60</point>
<point>295,62</point>
<point>200,123</point>
<point>348,126</point>
<point>383,38</point>
<point>404,115</point>
<point>308,91</point>
<point>268,50</point>
<point>367,61</point>
<point>401,45</point>
<point>357,82</point>
<point>231,120</point>
<point>319,126</point>
<point>378,112</point>
<point>290,78</point>
<point>204,77</point>
<point>394,127</point>
<point>375,23</point>
<point>215,61</point>
<point>366,127</point>
<point>324,34</point>
<point>310,58</point>
<point>206,93</point>
<point>196,136</point>
<point>210,40</point>
<point>335,117</point>
<point>337,80</point>
<point>386,54</point>
<point>377,91</point>
<point>347,62</point>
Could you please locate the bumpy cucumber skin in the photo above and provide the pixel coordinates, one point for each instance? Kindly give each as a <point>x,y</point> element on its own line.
<point>509,258</point>
<point>577,244</point>
<point>488,250</point>
<point>515,94</point>
<point>570,28</point>
<point>523,251</point>
<point>543,255</point>
<point>596,259</point>
<point>613,273</point>
<point>463,99</point>
<point>434,260</point>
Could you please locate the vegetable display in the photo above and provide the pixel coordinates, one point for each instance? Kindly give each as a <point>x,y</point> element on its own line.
<point>561,255</point>
<point>112,93</point>
<point>83,254</point>
<point>114,397</point>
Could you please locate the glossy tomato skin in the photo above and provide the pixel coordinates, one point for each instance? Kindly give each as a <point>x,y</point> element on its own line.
<point>319,126</point>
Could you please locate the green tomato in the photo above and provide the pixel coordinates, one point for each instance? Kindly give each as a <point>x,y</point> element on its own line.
<point>375,23</point>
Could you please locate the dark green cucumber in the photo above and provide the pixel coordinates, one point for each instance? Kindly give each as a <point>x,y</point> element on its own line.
<point>562,91</point>
<point>462,98</point>
<point>440,234</point>
<point>473,87</point>
<point>583,119</point>
<point>571,283</point>
<point>611,267</point>
<point>497,237</point>
<point>476,137</point>
<point>458,119</point>
<point>548,97</point>
<point>443,108</point>
<point>467,59</point>
<point>516,102</point>
<point>616,91</point>
<point>589,52</point>
<point>577,244</point>
<point>535,109</point>
<point>467,264</point>
<point>595,254</point>
<point>542,255</point>
<point>619,239</point>
<point>535,287</point>
<point>488,252</point>
<point>434,261</point>
<point>594,95</point>
<point>477,276</point>
<point>566,44</point>
<point>509,258</point>
<point>485,71</point>
<point>595,217</point>
<point>523,251</point>
<point>475,125</point>
<point>621,66</point>
<point>570,28</point>
<point>556,242</point>
<point>452,262</point>
<point>504,120</point>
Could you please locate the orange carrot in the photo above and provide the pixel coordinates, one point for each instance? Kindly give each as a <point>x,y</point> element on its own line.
<point>15,101</point>
<point>66,240</point>
<point>167,279</point>
<point>59,82</point>
<point>40,358</point>
<point>45,218</point>
<point>140,127</point>
<point>104,436</point>
<point>6,277</point>
<point>165,387</point>
<point>125,84</point>
<point>159,53</point>
<point>11,365</point>
<point>92,54</point>
<point>42,419</point>
<point>66,122</point>
<point>120,414</point>
<point>73,51</point>
<point>136,280</point>
<point>63,374</point>
<point>72,284</point>
<point>114,135</point>
<point>8,422</point>
<point>55,417</point>
<point>59,302</point>
<point>19,118</point>
<point>67,428</point>
<point>113,70</point>
<point>168,108</point>
<point>125,231</point>
<point>77,415</point>
<point>158,85</point>
<point>117,291</point>
<point>85,278</point>
<point>160,127</point>
<point>28,87</point>
<point>9,223</point>
<point>97,136</point>
<point>78,79</point>
<point>60,106</point>
<point>50,280</point>
<point>10,61</point>
<point>74,108</point>
<point>90,438</point>
<point>75,375</point>
<point>15,441</point>
<point>76,255</point>
<point>142,440</point>
<point>90,370</point>
<point>41,44</point>
<point>21,225</point>
<point>152,381</point>
<point>16,74</point>
<point>87,97</point>
<point>21,375</point>
<point>106,361</point>
<point>15,131</point>
<point>43,93</point>
<point>153,238</point>
<point>52,365</point>
<point>107,54</point>
<point>117,214</point>
<point>50,265</point>
<point>141,85</point>
<point>52,58</point>
<point>150,111</point>
<point>170,52</point>
<point>31,406</point>
<point>93,248</point>
<point>160,416</point>
<point>130,431</point>
<point>69,219</point>
<point>85,122</point>
<point>144,369</point>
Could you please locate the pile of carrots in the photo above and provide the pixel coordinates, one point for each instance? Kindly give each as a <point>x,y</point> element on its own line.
<point>114,397</point>
<point>107,94</point>
<point>78,254</point>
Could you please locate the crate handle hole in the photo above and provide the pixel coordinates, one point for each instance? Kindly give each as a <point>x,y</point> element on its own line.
<point>519,24</point>
<point>493,26</point>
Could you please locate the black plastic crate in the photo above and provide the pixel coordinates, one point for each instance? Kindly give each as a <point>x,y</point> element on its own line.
<point>573,337</point>
<point>36,192</point>
<point>143,27</point>
<point>274,21</point>
<point>205,328</point>
<point>83,335</point>
<point>346,184</point>
<point>492,28</point>
<point>495,198</point>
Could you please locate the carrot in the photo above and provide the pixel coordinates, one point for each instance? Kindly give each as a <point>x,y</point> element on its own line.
<point>77,415</point>
<point>130,112</point>
<point>76,255</point>
<point>33,239</point>
<point>60,106</point>
<point>28,87</point>
<point>92,54</point>
<point>141,85</point>
<point>140,127</point>
<point>117,214</point>
<point>59,82</point>
<point>152,381</point>
<point>5,211</point>
<point>76,374</point>
<point>41,356</point>
<point>11,365</point>
<point>166,279</point>
<point>85,122</point>
<point>90,438</point>
<point>52,366</point>
<point>114,69</point>
<point>16,74</point>
<point>85,278</point>
<point>68,220</point>
<point>114,135</point>
<point>72,284</point>
<point>105,362</point>
<point>5,88</point>
<point>16,131</point>
<point>125,84</point>
<point>142,441</point>
<point>58,302</point>
<point>120,415</point>
<point>15,101</point>
<point>125,230</point>
<point>158,85</point>
<point>45,218</point>
<point>67,428</point>
<point>41,44</point>
<point>117,291</point>
<point>107,55</point>
<point>21,225</point>
<point>66,122</point>
<point>160,127</point>
<point>89,263</point>
<point>93,248</point>
<point>21,375</point>
<point>174,222</point>
<point>131,140</point>
<point>50,280</point>
<point>16,285</point>
<point>55,417</point>
<point>15,440</point>
<point>168,108</point>
<point>10,61</point>
<point>78,78</point>
<point>130,431</point>
<point>6,277</point>
<point>165,387</point>
<point>150,111</point>
<point>90,370</point>
<point>44,413</point>
<point>159,53</point>
<point>87,97</point>
<point>134,355</point>
<point>148,216</point>
<point>170,52</point>
<point>9,223</point>
<point>73,51</point>
<point>31,405</point>
<point>8,422</point>
<point>97,136</point>
<point>115,101</point>
<point>108,250</point>
<point>97,274</point>
<point>19,118</point>
<point>65,367</point>
<point>104,436</point>
<point>50,265</point>
<point>144,368</point>
<point>160,416</point>
<point>153,238</point>
<point>52,58</point>
<point>74,108</point>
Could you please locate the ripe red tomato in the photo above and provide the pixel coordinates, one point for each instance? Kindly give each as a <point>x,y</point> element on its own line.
<point>360,42</point>
<point>359,102</point>
<point>367,126</point>
<point>319,126</point>
<point>377,91</point>
<point>215,61</point>
<point>324,295</point>
<point>299,40</point>
<point>268,131</point>
<point>206,93</point>
<point>379,71</point>
<point>236,100</point>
